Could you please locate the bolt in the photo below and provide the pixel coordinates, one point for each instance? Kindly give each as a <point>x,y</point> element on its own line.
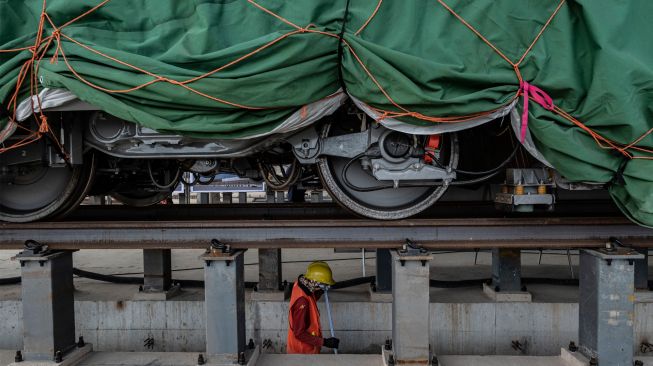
<point>434,361</point>
<point>391,360</point>
<point>251,344</point>
<point>80,342</point>
<point>200,359</point>
<point>58,357</point>
<point>18,357</point>
<point>241,359</point>
<point>594,361</point>
<point>572,346</point>
<point>638,363</point>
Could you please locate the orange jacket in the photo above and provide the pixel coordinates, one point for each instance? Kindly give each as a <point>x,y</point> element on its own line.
<point>294,344</point>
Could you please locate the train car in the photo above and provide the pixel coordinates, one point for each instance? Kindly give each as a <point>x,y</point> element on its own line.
<point>387,104</point>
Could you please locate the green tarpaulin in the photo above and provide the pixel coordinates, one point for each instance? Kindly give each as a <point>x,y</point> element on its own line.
<point>595,60</point>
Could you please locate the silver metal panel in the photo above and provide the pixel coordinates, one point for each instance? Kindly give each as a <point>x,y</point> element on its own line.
<point>606,306</point>
<point>410,308</point>
<point>224,294</point>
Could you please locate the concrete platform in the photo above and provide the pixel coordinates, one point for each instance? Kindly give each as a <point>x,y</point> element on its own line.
<point>521,296</point>
<point>319,360</point>
<point>502,361</point>
<point>190,359</point>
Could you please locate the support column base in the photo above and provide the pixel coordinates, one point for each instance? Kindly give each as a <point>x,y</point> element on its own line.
<point>573,358</point>
<point>71,358</point>
<point>251,357</point>
<point>386,354</point>
<point>501,296</point>
<point>157,295</point>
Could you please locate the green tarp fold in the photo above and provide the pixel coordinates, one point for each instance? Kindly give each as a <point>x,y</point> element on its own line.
<point>595,60</point>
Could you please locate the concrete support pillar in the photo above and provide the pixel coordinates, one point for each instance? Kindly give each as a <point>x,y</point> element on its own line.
<point>157,269</point>
<point>506,283</point>
<point>280,197</point>
<point>242,197</point>
<point>269,269</point>
<point>227,197</point>
<point>157,276</point>
<point>506,270</point>
<point>383,271</point>
<point>410,307</point>
<point>606,305</point>
<point>214,198</point>
<point>224,292</point>
<point>641,270</point>
<point>48,305</point>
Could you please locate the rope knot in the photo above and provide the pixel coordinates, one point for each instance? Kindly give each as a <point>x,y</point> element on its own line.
<point>383,117</point>
<point>539,96</point>
<point>44,127</point>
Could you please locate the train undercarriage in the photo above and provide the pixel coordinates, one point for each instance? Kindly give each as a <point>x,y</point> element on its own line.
<point>371,170</point>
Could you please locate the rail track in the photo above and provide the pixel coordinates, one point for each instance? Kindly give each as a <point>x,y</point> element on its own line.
<point>465,233</point>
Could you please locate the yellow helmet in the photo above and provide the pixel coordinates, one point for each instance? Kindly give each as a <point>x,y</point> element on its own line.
<point>320,272</point>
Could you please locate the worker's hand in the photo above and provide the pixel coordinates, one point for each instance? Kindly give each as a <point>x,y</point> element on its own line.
<point>331,342</point>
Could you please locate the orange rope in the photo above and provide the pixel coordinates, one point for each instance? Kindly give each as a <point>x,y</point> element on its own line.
<point>376,10</point>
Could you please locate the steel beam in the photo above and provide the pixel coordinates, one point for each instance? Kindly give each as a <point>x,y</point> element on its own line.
<point>383,271</point>
<point>269,270</point>
<point>224,293</point>
<point>641,270</point>
<point>606,305</point>
<point>506,270</point>
<point>410,308</point>
<point>48,304</point>
<point>157,270</point>
<point>351,233</point>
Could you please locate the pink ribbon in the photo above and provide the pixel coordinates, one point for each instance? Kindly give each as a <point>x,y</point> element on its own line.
<point>539,96</point>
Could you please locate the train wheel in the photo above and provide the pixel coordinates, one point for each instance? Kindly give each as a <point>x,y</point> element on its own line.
<point>33,191</point>
<point>338,176</point>
<point>88,177</point>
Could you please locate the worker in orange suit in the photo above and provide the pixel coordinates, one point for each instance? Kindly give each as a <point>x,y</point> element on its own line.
<point>304,331</point>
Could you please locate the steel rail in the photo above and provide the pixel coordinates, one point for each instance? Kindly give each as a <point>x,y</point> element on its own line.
<point>542,233</point>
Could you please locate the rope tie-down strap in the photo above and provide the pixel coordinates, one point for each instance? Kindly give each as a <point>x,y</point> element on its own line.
<point>531,92</point>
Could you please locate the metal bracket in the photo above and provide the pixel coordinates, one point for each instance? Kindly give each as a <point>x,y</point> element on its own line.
<point>33,249</point>
<point>411,248</point>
